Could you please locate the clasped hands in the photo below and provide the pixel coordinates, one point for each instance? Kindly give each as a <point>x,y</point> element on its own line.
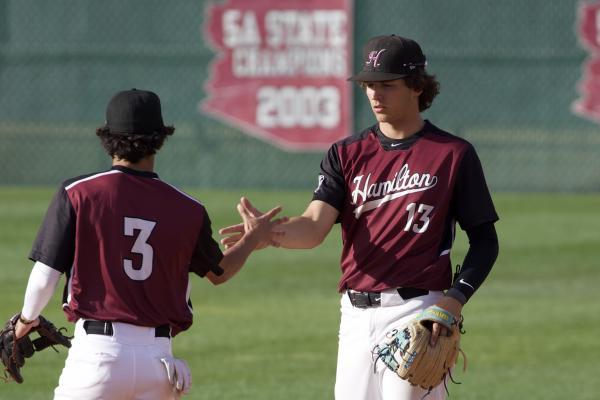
<point>254,221</point>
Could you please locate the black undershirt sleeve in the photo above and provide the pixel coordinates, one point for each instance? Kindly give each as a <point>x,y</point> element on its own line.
<point>478,262</point>
<point>474,210</point>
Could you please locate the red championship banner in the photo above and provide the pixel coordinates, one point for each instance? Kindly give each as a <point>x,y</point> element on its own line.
<point>280,69</point>
<point>588,105</point>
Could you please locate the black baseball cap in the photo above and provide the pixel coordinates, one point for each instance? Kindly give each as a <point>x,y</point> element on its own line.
<point>390,57</point>
<point>134,111</point>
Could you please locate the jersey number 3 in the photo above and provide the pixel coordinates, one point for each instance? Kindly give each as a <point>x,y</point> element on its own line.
<point>140,246</point>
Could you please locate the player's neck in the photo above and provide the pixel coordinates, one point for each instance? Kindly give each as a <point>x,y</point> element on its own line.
<point>402,129</point>
<point>145,164</point>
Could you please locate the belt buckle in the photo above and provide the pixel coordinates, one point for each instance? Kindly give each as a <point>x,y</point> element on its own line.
<point>355,299</point>
<point>364,299</point>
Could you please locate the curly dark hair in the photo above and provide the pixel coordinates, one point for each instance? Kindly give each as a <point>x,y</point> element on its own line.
<point>132,147</point>
<point>428,84</point>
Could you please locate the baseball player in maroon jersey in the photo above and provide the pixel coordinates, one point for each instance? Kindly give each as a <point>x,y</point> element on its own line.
<point>397,188</point>
<point>127,242</point>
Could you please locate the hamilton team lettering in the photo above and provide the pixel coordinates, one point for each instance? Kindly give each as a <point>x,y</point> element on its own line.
<point>404,182</point>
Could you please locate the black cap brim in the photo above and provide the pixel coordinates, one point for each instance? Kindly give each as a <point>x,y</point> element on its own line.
<point>376,76</point>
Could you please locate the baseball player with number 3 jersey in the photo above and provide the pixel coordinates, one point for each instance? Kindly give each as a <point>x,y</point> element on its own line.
<point>127,242</point>
<point>397,188</point>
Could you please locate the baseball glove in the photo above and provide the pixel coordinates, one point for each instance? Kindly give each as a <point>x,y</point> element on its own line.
<point>407,351</point>
<point>14,351</point>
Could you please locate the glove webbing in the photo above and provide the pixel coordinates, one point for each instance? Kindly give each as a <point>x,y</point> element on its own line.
<point>400,341</point>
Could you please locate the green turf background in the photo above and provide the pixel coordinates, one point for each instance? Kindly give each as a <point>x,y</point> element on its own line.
<point>271,332</point>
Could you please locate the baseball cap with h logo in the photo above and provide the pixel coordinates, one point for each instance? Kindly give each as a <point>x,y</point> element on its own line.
<point>390,57</point>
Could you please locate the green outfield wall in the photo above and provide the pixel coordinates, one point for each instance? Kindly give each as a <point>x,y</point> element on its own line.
<point>509,73</point>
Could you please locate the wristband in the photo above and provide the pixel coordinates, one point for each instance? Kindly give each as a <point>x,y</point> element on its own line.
<point>25,321</point>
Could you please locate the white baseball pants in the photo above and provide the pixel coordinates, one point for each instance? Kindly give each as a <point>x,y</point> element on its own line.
<point>363,328</point>
<point>124,366</point>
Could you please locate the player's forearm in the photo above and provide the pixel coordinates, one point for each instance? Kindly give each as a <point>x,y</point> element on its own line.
<point>478,262</point>
<point>40,288</point>
<point>302,232</point>
<point>234,259</point>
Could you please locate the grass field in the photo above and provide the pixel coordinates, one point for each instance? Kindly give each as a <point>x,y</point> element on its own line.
<point>271,332</point>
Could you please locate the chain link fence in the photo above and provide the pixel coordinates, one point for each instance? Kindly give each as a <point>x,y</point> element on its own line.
<point>508,70</point>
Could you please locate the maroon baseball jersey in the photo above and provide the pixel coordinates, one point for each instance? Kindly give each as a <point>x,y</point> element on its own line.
<point>127,242</point>
<point>398,202</point>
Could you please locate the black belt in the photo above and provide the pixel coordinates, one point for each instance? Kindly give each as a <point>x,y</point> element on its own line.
<point>105,328</point>
<point>373,299</point>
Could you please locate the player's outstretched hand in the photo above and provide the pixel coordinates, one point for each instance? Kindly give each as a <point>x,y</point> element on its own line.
<point>255,223</point>
<point>235,232</point>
